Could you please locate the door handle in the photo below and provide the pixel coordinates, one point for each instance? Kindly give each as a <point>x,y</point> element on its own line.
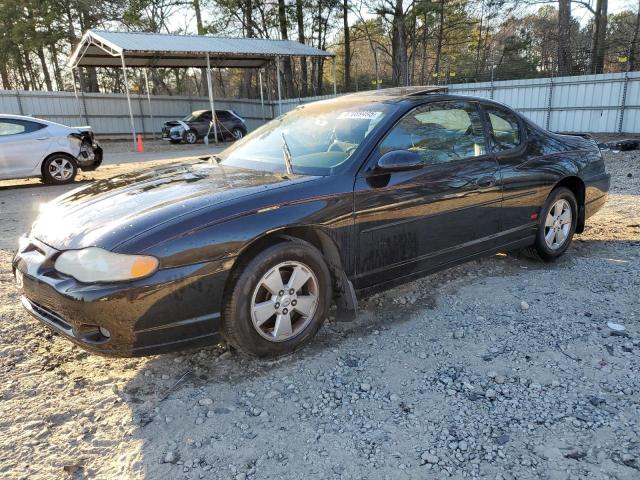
<point>42,138</point>
<point>487,181</point>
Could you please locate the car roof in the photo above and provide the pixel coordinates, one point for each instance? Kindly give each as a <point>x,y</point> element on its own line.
<point>29,118</point>
<point>200,112</point>
<point>415,94</point>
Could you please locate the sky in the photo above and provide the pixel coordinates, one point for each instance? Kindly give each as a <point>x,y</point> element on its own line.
<point>615,6</point>
<point>187,21</point>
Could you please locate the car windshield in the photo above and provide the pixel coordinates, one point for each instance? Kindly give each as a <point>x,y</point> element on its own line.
<point>321,137</point>
<point>192,117</point>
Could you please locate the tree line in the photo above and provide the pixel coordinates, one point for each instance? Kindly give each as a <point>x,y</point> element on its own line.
<point>378,43</point>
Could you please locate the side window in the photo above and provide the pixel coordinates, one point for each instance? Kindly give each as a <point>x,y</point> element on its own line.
<point>504,129</point>
<point>439,132</point>
<point>223,115</point>
<point>205,117</point>
<point>9,127</point>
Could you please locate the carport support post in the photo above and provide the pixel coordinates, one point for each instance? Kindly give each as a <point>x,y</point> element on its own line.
<point>126,87</point>
<point>335,88</point>
<point>146,84</point>
<point>75,92</point>
<point>279,91</point>
<point>211,102</point>
<point>261,94</point>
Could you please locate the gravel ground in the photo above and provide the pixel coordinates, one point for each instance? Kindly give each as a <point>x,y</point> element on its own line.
<point>502,368</point>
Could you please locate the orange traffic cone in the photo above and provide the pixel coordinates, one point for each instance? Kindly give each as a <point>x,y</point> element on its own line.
<point>140,144</point>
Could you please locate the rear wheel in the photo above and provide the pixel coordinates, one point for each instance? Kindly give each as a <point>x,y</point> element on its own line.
<point>237,133</point>
<point>278,301</point>
<point>557,224</point>
<point>59,169</point>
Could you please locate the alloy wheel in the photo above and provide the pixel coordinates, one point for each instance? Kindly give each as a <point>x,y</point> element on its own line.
<point>61,169</point>
<point>191,137</point>
<point>284,301</point>
<point>557,225</point>
<point>237,133</point>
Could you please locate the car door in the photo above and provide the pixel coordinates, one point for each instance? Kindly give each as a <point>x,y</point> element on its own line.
<point>523,190</point>
<point>413,221</point>
<point>23,145</point>
<point>203,126</point>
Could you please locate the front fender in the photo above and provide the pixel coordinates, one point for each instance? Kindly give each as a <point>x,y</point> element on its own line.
<point>226,239</point>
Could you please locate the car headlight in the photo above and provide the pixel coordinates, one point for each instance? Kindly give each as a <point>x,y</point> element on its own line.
<point>94,264</point>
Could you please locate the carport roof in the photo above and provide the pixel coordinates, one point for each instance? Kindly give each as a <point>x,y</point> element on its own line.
<point>99,48</point>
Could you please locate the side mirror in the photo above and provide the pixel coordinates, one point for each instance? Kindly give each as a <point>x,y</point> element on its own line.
<point>399,161</point>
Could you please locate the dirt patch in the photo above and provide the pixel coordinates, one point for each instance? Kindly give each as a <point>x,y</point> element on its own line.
<point>500,368</point>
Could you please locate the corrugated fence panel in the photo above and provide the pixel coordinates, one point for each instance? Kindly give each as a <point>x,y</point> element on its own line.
<point>588,103</point>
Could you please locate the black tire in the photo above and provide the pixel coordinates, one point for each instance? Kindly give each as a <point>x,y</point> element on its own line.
<point>59,169</point>
<point>191,137</point>
<point>540,249</point>
<point>237,323</point>
<point>237,133</point>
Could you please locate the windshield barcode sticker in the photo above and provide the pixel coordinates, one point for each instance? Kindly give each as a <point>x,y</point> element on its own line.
<point>364,114</point>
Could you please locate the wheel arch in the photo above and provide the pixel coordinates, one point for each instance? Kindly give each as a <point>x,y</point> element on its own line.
<point>55,154</point>
<point>577,186</point>
<point>313,235</point>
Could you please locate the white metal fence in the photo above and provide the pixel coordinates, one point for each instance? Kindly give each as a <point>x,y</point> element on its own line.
<point>108,114</point>
<point>607,103</point>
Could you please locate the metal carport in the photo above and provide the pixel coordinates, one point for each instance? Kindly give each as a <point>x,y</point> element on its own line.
<point>99,48</point>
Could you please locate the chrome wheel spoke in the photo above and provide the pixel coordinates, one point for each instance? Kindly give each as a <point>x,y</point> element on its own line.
<point>549,221</point>
<point>272,281</point>
<point>299,277</point>
<point>560,236</point>
<point>263,312</point>
<point>565,218</point>
<point>550,237</point>
<point>305,304</point>
<point>282,328</point>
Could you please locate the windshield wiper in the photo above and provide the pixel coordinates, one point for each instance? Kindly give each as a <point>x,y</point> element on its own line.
<point>286,153</point>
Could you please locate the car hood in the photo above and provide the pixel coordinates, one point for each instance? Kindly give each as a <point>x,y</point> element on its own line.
<point>176,123</point>
<point>109,212</point>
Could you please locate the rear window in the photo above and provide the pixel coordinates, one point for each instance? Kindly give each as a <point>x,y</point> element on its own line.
<point>16,127</point>
<point>505,129</point>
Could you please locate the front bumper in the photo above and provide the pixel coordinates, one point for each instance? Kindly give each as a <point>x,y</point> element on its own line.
<point>172,135</point>
<point>175,308</point>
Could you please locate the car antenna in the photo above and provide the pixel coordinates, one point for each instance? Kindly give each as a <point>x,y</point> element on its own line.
<point>286,153</point>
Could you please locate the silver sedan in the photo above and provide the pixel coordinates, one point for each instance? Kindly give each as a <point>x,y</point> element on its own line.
<point>32,147</point>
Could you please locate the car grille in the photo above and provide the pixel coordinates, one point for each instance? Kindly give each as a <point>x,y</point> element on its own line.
<point>47,316</point>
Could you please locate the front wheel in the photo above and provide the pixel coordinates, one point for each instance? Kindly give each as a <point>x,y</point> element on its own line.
<point>278,300</point>
<point>191,137</point>
<point>557,224</point>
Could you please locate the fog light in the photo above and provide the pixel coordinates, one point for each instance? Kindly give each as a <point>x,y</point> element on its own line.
<point>104,332</point>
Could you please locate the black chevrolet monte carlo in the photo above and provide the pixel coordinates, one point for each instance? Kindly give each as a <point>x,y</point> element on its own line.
<point>330,202</point>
